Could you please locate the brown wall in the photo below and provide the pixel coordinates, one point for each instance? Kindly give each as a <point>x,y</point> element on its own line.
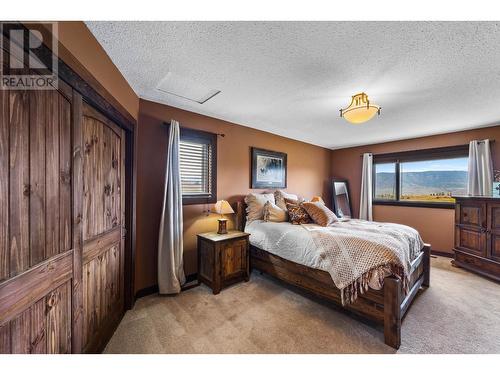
<point>434,224</point>
<point>83,53</point>
<point>308,175</point>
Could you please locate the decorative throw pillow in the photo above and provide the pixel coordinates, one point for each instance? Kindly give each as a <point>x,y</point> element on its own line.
<point>293,201</point>
<point>273,213</point>
<point>320,214</point>
<point>255,205</point>
<point>297,214</point>
<point>280,196</point>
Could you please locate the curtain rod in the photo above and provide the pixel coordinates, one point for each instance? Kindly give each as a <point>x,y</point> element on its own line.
<point>430,149</point>
<point>167,123</point>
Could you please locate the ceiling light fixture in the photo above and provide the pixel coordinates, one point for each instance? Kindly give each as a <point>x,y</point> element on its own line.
<point>360,110</point>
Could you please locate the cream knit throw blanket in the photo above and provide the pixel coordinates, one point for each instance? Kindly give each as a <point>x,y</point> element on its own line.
<point>354,251</point>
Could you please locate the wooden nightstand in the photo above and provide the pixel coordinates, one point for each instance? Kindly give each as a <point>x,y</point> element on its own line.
<point>223,259</point>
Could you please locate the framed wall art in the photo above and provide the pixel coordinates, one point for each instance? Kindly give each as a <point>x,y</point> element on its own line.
<point>268,169</point>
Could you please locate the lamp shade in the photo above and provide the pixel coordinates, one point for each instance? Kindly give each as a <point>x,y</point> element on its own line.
<point>223,207</point>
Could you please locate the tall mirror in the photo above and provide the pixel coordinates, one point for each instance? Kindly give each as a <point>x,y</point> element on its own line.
<point>341,203</point>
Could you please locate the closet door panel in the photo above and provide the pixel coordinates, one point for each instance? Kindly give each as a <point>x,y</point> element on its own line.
<point>36,255</point>
<point>50,181</point>
<point>38,104</point>
<point>20,333</point>
<point>101,282</point>
<point>102,228</point>
<point>44,327</point>
<point>65,183</point>
<point>39,327</point>
<point>58,320</point>
<point>76,174</point>
<point>19,242</point>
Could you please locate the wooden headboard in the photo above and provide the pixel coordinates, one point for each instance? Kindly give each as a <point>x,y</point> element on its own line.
<point>241,215</point>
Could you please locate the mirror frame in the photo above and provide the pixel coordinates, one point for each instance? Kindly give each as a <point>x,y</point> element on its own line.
<point>334,195</point>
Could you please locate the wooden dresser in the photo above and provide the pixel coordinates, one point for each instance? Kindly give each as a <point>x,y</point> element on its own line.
<point>477,235</point>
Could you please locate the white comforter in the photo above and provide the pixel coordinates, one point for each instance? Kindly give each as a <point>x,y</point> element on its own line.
<point>295,243</point>
<point>291,242</point>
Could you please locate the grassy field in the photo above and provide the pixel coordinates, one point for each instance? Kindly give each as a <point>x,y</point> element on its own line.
<point>432,198</point>
<point>419,198</point>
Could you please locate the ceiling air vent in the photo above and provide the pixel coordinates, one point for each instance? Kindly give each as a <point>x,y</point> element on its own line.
<point>181,87</point>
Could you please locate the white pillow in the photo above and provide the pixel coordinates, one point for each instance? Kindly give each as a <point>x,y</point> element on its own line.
<point>279,197</point>
<point>255,205</point>
<point>274,213</point>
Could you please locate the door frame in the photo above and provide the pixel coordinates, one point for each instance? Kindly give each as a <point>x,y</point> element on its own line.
<point>92,92</point>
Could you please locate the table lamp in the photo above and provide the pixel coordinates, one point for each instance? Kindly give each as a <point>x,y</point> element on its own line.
<point>223,207</point>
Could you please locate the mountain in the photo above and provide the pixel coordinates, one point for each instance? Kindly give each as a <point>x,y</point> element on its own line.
<point>428,182</point>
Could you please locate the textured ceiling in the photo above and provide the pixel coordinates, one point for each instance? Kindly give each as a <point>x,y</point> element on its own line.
<point>291,78</point>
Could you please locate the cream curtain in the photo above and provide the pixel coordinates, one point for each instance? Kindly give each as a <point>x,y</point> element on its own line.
<point>170,246</point>
<point>480,177</point>
<point>365,204</point>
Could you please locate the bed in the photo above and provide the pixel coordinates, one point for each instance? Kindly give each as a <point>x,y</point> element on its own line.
<point>386,306</point>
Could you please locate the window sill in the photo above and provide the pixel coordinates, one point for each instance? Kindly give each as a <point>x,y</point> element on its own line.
<point>192,200</point>
<point>447,205</point>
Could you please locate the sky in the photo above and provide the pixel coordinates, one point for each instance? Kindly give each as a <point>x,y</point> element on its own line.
<point>457,164</point>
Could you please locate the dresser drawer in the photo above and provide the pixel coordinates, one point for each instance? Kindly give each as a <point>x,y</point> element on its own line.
<point>470,239</point>
<point>471,214</point>
<point>477,264</point>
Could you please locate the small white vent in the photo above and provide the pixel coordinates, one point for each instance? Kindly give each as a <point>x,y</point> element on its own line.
<point>185,88</point>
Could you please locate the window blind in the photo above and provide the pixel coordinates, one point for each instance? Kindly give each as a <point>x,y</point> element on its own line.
<point>195,167</point>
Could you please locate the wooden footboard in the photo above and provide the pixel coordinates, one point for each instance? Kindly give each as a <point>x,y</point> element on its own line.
<point>396,303</point>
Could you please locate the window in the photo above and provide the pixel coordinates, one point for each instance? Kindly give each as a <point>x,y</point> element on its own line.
<point>385,181</point>
<point>198,166</point>
<point>426,178</point>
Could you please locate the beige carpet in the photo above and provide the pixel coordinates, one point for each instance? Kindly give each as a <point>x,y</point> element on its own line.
<point>460,313</point>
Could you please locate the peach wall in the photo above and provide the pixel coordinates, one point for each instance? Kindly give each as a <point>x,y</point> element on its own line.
<point>434,224</point>
<point>80,49</point>
<point>308,175</point>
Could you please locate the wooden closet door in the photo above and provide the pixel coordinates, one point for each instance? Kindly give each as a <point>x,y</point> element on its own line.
<point>36,233</point>
<point>103,227</point>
